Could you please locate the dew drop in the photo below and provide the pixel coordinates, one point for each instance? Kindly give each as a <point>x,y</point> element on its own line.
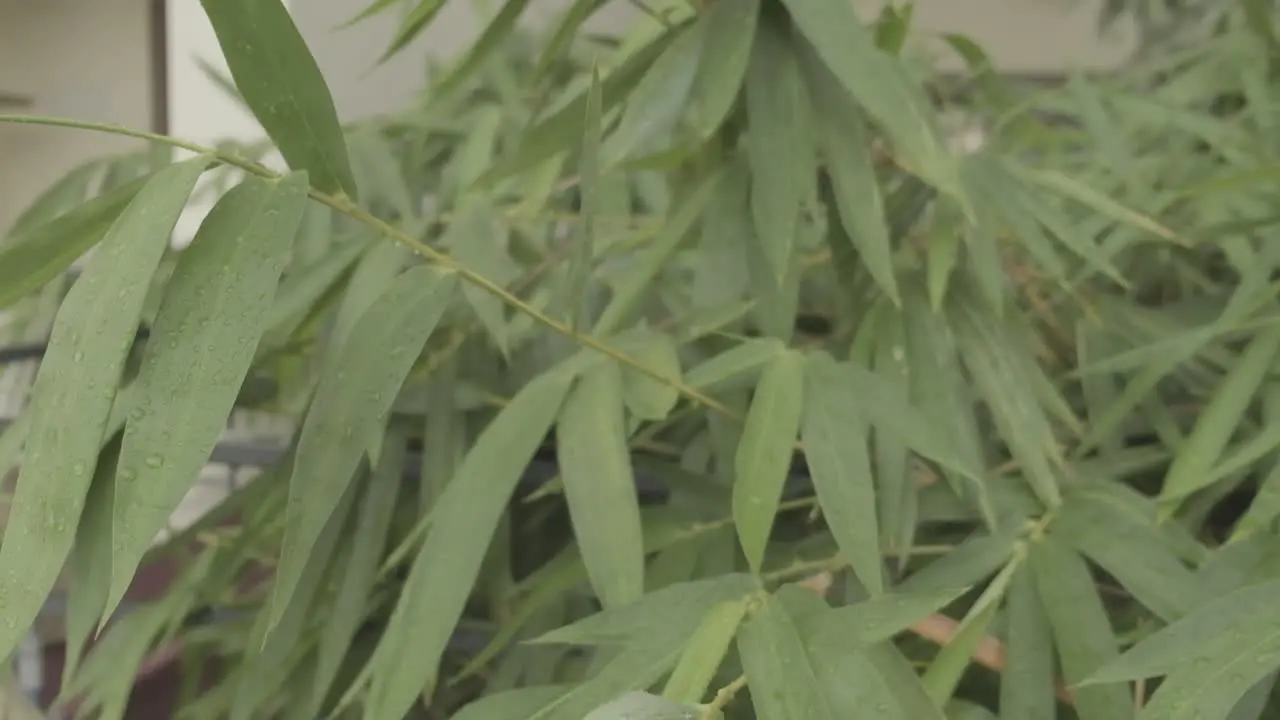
<point>154,461</point>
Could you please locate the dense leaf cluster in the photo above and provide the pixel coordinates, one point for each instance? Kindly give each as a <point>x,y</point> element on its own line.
<point>918,433</point>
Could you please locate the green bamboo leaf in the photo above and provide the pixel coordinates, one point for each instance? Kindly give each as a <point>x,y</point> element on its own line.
<point>478,242</point>
<point>78,377</point>
<point>558,45</point>
<point>65,195</point>
<point>705,652</point>
<point>643,706</point>
<point>1218,421</point>
<point>511,704</point>
<point>599,485</point>
<point>372,524</point>
<point>783,681</point>
<point>276,632</point>
<point>1081,630</point>
<point>89,566</point>
<point>414,22</point>
<point>1258,15</point>
<point>944,673</point>
<point>998,363</point>
<point>637,666</point>
<point>476,153</point>
<point>465,518</point>
<point>495,33</point>
<point>1211,686</point>
<point>637,284</point>
<point>646,398</point>
<point>36,254</point>
<point>835,444</point>
<point>281,83</point>
<point>584,237</point>
<point>356,389</point>
<point>681,606</point>
<point>549,589</point>
<point>1220,624</point>
<point>1026,685</point>
<point>373,272</point>
<point>880,84</point>
<point>659,99</point>
<point>851,679</point>
<point>966,564</point>
<point>1139,560</point>
<point>879,619</point>
<point>763,458</point>
<point>203,342</point>
<point>305,287</point>
<point>377,170</point>
<point>562,130</point>
<point>779,145</point>
<point>845,145</point>
<point>110,672</point>
<point>737,364</point>
<point>729,31</point>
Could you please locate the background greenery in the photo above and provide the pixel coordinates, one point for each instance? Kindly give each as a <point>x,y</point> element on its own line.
<point>921,433</point>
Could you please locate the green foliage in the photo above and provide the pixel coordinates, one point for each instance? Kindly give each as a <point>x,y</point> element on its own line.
<point>940,434</point>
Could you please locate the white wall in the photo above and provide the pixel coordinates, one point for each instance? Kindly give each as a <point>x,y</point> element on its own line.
<point>87,60</point>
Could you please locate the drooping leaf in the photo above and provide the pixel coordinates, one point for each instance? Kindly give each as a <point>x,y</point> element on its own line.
<point>729,31</point>
<point>1217,422</point>
<point>705,652</point>
<point>562,130</point>
<point>658,100</point>
<point>561,38</point>
<point>376,269</point>
<point>1223,622</point>
<point>1081,630</point>
<point>1026,685</point>
<point>834,435</point>
<point>943,675</point>
<point>599,485</point>
<point>281,83</point>
<point>779,145</point>
<point>203,341</point>
<point>638,282</point>
<point>78,379</point>
<point>1214,682</point>
<point>997,363</point>
<point>36,254</point>
<point>89,566</point>
<point>783,681</point>
<point>277,630</point>
<point>371,526</point>
<point>879,83</point>
<point>465,518</point>
<point>845,146</point>
<point>495,33</point>
<point>1139,560</point>
<point>763,458</point>
<point>356,389</point>
<point>414,22</point>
